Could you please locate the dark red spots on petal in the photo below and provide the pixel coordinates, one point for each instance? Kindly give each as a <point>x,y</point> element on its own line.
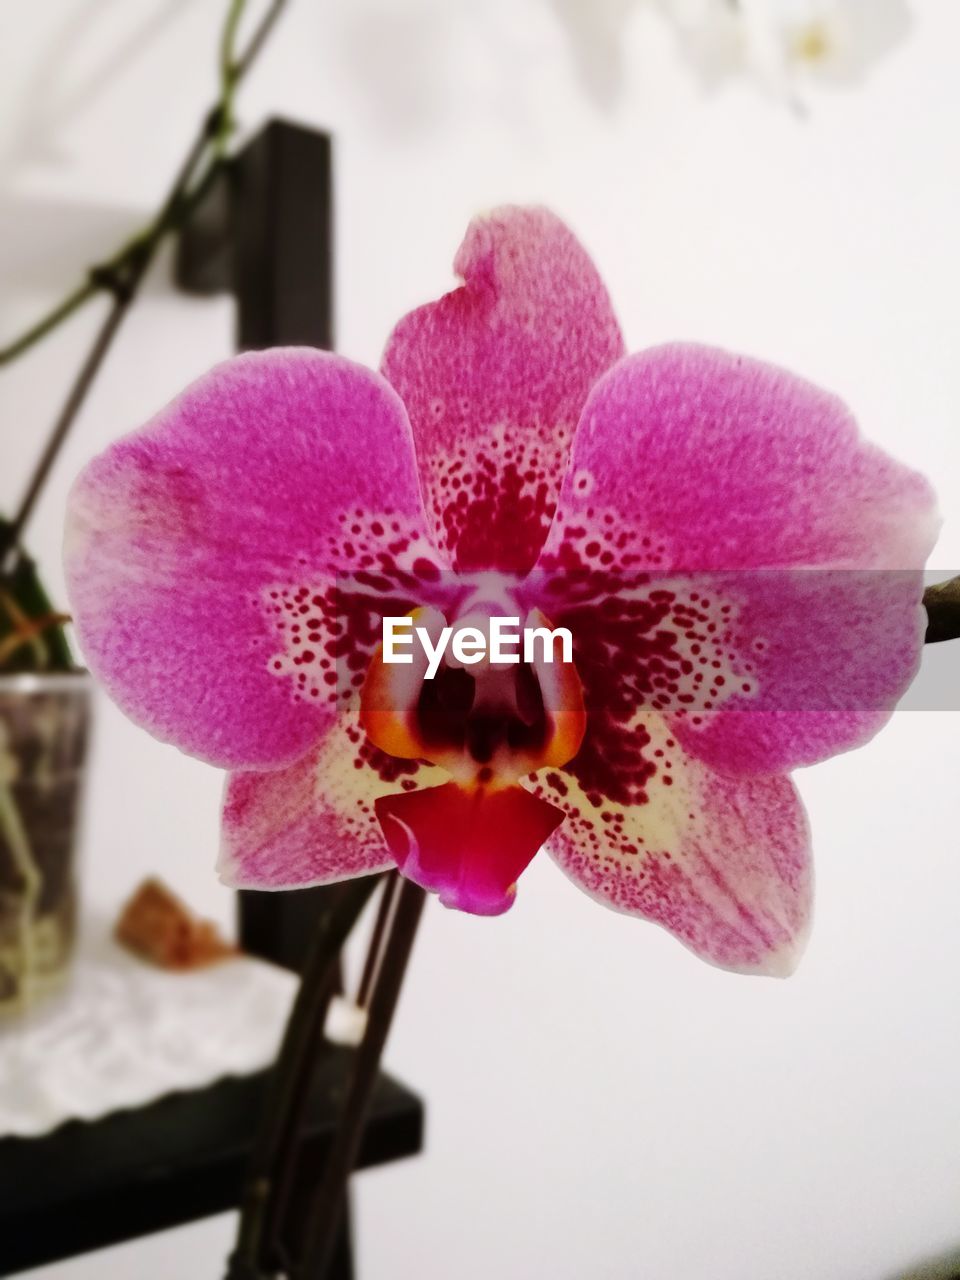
<point>494,501</point>
<point>426,570</point>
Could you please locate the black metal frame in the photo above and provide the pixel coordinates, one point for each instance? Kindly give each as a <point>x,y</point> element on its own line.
<point>264,232</point>
<point>182,1158</point>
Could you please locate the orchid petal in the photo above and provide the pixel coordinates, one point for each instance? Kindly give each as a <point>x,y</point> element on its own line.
<point>314,822</point>
<point>199,548</point>
<point>494,376</point>
<point>722,863</point>
<point>800,546</point>
<point>824,656</point>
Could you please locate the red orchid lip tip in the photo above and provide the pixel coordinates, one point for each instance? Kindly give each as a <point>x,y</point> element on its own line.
<point>468,846</point>
<point>476,906</point>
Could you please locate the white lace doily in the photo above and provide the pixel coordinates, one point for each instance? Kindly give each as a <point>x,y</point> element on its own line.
<point>124,1033</point>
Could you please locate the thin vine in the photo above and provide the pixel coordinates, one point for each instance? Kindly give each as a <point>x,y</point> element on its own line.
<point>207,153</point>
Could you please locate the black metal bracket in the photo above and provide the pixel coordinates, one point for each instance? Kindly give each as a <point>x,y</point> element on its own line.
<point>264,232</point>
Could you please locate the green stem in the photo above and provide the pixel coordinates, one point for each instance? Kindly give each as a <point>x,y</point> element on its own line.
<point>229,74</point>
<point>62,311</point>
<point>122,276</point>
<point>105,277</point>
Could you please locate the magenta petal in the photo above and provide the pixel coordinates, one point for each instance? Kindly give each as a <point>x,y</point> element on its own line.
<point>190,541</point>
<point>278,832</point>
<point>494,376</point>
<point>315,821</point>
<point>826,655</point>
<point>722,863</point>
<point>689,460</point>
<point>722,462</point>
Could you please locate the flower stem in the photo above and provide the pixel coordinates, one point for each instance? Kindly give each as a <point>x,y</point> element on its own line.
<point>275,1233</point>
<point>123,273</point>
<point>62,311</point>
<point>327,1208</point>
<point>290,1083</point>
<point>229,72</point>
<point>214,130</point>
<point>374,960</point>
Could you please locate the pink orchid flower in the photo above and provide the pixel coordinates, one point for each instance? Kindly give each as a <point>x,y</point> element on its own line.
<point>709,529</point>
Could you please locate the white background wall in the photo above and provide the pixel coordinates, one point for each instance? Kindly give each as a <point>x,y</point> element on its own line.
<point>600,1103</point>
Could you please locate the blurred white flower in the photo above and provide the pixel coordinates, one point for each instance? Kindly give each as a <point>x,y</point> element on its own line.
<point>840,41</point>
<point>786,42</point>
<point>596,30</point>
<point>714,36</point>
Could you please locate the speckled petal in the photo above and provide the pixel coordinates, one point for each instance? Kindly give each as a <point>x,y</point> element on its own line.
<point>799,545</point>
<point>822,658</point>
<point>722,863</point>
<point>202,553</point>
<point>494,376</point>
<point>315,821</point>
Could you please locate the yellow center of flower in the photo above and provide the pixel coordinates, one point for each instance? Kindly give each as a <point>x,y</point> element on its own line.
<point>812,42</point>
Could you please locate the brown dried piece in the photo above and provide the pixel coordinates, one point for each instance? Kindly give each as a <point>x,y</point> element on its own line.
<point>157,926</point>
